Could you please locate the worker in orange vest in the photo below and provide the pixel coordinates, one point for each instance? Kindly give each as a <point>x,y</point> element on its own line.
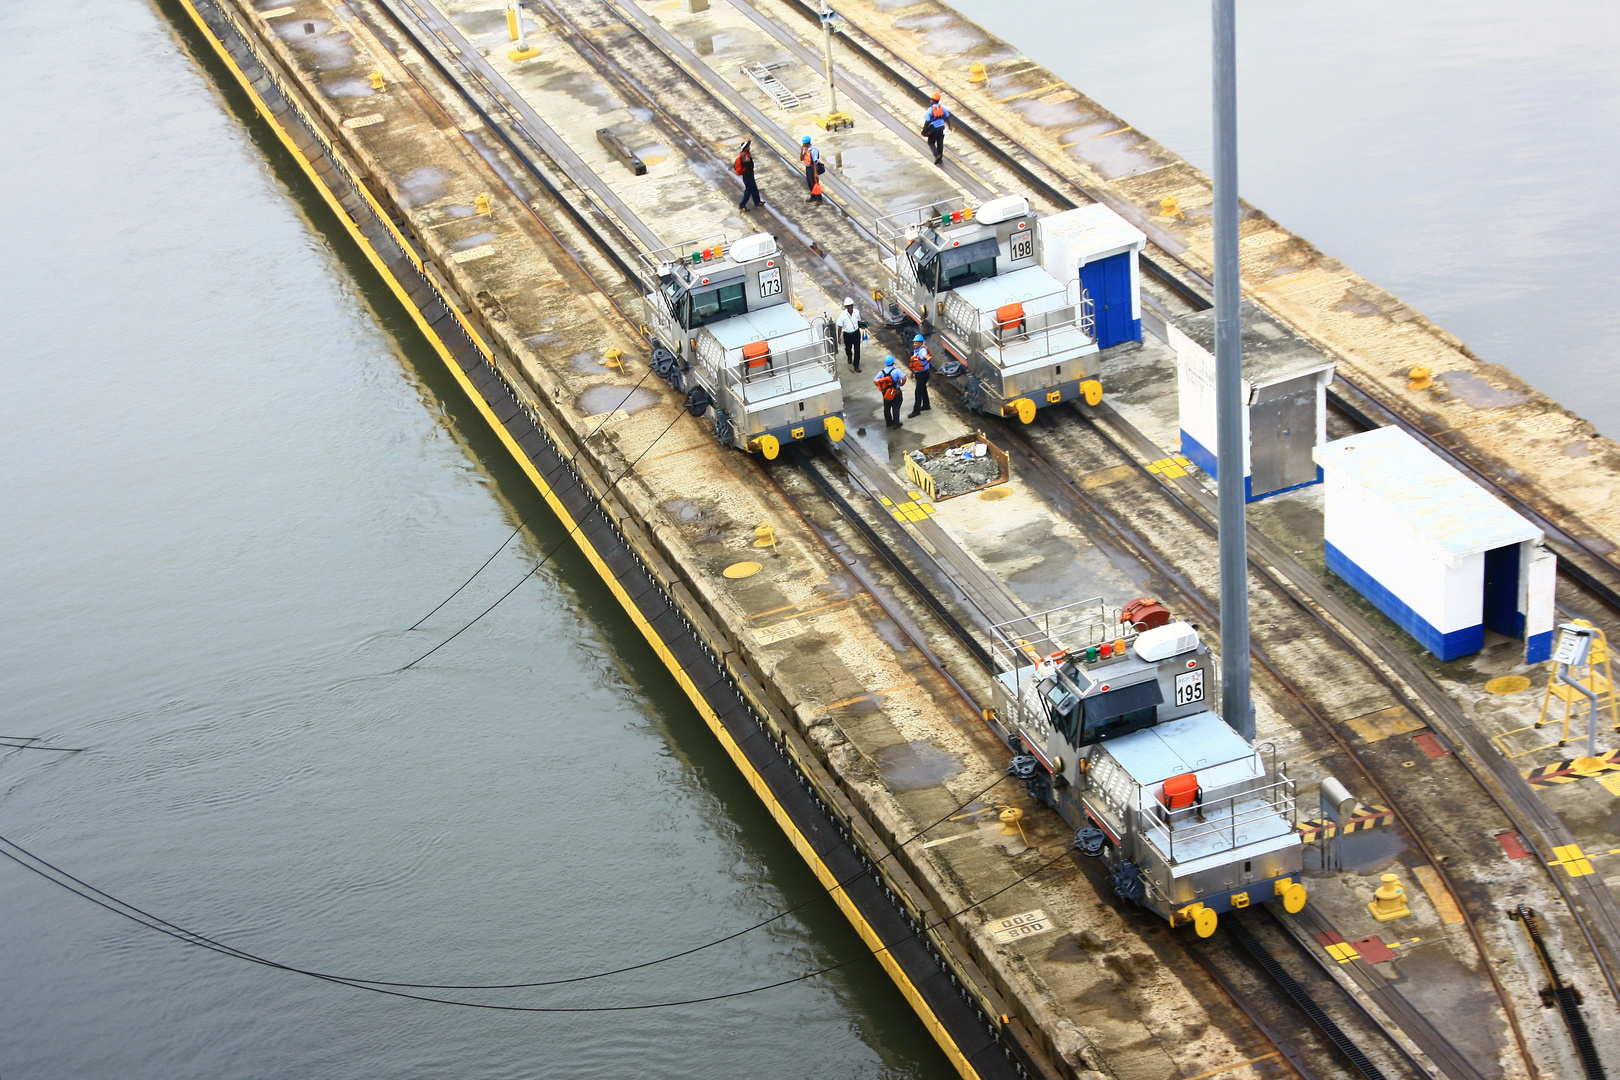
<point>936,120</point>
<point>921,368</point>
<point>889,381</point>
<point>813,168</point>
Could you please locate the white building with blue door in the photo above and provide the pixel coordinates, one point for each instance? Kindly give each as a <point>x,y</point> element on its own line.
<point>1101,250</point>
<point>1284,395</point>
<point>1433,550</point>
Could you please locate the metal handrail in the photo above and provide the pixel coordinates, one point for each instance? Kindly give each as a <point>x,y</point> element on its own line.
<point>1276,800</point>
<point>890,228</point>
<point>736,375</point>
<point>653,259</point>
<point>1072,626</point>
<point>992,341</point>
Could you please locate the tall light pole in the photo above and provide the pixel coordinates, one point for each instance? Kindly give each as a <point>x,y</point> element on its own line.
<point>1236,706</point>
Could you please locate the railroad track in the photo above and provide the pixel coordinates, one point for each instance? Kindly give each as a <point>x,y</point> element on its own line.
<point>514,129</point>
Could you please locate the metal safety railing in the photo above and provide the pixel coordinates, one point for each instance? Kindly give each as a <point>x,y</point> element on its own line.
<point>1035,335</point>
<point>1238,807</point>
<point>1020,642</point>
<point>896,231</point>
<point>815,358</point>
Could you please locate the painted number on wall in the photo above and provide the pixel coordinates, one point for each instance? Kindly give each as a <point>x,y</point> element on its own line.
<point>1190,686</point>
<point>1022,246</point>
<point>1030,923</point>
<point>770,281</point>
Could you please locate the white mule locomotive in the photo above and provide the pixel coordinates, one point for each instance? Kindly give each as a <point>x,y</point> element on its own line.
<point>1106,711</point>
<point>723,330</point>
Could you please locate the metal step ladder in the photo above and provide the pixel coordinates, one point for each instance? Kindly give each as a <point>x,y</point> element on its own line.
<point>774,88</point>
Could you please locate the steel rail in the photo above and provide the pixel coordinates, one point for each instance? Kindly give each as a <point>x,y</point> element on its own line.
<point>949,951</point>
<point>1272,670</point>
<point>1002,146</point>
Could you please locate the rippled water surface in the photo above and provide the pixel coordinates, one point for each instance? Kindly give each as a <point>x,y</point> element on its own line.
<point>232,477</point>
<point>1461,153</point>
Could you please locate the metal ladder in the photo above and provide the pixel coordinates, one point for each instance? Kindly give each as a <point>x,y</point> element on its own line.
<point>773,87</point>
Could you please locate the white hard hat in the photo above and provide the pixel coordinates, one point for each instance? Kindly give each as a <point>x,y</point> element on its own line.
<point>848,302</point>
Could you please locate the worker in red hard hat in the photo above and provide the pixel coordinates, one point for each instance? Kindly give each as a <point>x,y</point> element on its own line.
<point>936,121</point>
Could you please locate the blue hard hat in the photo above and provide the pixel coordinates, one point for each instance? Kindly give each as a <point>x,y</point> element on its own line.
<point>805,140</point>
<point>888,361</point>
<point>919,337</point>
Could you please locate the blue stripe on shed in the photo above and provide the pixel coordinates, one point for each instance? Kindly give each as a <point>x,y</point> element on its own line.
<point>1196,453</point>
<point>1464,642</point>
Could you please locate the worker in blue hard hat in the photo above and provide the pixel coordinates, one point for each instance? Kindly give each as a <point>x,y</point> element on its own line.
<point>810,156</point>
<point>922,366</point>
<point>889,380</point>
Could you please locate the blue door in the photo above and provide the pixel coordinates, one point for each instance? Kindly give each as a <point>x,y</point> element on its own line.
<point>1502,612</point>
<point>1108,281</point>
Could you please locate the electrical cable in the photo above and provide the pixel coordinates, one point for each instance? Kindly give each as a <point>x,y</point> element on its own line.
<point>31,742</point>
<point>530,515</point>
<point>179,933</point>
<point>535,569</point>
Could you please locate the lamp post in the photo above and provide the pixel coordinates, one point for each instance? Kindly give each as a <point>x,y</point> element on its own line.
<point>1236,706</point>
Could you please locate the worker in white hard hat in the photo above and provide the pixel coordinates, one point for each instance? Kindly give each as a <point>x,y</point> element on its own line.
<point>850,331</point>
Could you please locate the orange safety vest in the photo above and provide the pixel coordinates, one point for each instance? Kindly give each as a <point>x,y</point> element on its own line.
<point>890,388</point>
<point>920,361</point>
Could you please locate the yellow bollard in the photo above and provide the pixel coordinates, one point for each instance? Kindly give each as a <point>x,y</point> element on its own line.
<point>1170,208</point>
<point>1389,900</point>
<point>1419,378</point>
<point>977,74</point>
<point>377,81</point>
<point>764,536</point>
<point>1010,818</point>
<point>614,358</point>
<point>482,204</point>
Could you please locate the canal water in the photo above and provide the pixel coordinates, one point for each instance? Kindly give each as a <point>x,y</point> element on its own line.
<point>233,477</point>
<point>1460,153</point>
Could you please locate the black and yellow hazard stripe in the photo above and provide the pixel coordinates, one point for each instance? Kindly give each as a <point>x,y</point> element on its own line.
<point>1370,816</point>
<point>715,683</point>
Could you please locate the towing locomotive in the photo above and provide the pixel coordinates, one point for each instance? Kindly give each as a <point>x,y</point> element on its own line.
<point>1023,304</point>
<point>1106,713</point>
<point>723,331</point>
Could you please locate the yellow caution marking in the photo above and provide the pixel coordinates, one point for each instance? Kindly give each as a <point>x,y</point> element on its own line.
<point>1171,467</point>
<point>1104,477</point>
<point>1343,952</point>
<point>1439,895</point>
<point>911,510</point>
<point>1573,769</point>
<point>747,568</point>
<point>1611,784</point>
<point>1574,861</point>
<point>1370,816</point>
<point>1507,684</point>
<point>1380,725</point>
<point>1030,93</point>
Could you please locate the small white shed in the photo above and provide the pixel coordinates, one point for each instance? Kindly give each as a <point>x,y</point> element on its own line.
<point>1432,549</point>
<point>1284,393</point>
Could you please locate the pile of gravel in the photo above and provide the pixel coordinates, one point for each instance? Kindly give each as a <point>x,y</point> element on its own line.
<point>954,474</point>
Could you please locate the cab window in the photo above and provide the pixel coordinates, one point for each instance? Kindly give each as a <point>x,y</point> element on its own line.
<point>964,265</point>
<point>1120,712</point>
<point>713,305</point>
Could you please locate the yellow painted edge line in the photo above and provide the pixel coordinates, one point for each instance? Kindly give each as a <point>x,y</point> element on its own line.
<point>1030,93</point>
<point>800,842</point>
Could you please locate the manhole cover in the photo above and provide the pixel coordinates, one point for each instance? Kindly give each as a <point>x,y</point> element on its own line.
<point>1507,684</point>
<point>741,570</point>
<point>995,494</point>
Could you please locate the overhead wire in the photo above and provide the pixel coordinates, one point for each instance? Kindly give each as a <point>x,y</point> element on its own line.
<point>153,922</point>
<point>530,515</point>
<point>535,569</point>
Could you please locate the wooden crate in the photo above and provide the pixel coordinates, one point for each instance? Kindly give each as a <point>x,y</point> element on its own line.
<point>923,480</point>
